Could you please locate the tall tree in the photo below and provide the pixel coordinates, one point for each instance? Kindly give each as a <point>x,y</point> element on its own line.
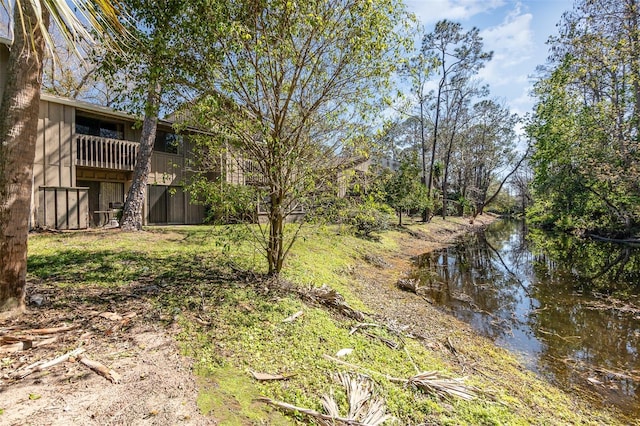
<point>403,190</point>
<point>417,70</point>
<point>19,123</point>
<point>154,63</point>
<point>587,122</point>
<point>457,118</point>
<point>293,88</point>
<point>458,55</point>
<point>71,71</point>
<point>492,136</point>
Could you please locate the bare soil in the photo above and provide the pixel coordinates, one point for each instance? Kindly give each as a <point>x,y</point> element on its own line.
<point>156,385</point>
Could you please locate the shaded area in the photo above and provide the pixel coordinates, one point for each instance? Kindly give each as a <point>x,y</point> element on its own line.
<point>570,306</point>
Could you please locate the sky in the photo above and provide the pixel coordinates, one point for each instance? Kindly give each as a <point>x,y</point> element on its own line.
<point>516,32</point>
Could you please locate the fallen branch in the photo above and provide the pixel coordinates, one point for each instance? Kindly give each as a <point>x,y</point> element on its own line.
<point>363,325</point>
<point>100,368</point>
<point>309,412</point>
<point>389,342</point>
<point>22,345</point>
<point>261,377</point>
<point>431,381</point>
<point>293,317</point>
<point>329,297</point>
<point>40,365</point>
<point>365,407</point>
<point>51,330</point>
<point>428,381</point>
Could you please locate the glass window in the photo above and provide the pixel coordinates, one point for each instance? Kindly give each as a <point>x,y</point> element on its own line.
<point>167,142</point>
<point>97,127</point>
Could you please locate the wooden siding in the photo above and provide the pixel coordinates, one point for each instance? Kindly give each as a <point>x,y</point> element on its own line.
<point>63,208</point>
<point>166,169</point>
<point>63,158</point>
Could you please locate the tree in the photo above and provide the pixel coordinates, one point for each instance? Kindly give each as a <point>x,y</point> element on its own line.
<point>418,70</point>
<point>457,118</point>
<point>19,123</point>
<point>294,89</point>
<point>403,189</point>
<point>458,55</point>
<point>162,35</point>
<point>586,125</point>
<point>492,136</point>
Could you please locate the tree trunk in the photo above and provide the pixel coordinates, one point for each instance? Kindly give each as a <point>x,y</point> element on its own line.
<point>134,205</point>
<point>18,133</point>
<point>275,246</point>
<point>427,213</point>
<point>423,144</point>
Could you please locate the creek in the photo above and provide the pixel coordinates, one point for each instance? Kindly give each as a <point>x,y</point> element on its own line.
<point>570,307</point>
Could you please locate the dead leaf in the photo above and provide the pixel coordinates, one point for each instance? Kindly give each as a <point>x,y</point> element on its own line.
<point>343,352</point>
<point>111,316</point>
<point>293,317</point>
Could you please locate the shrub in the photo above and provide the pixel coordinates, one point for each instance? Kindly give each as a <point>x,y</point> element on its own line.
<point>370,217</point>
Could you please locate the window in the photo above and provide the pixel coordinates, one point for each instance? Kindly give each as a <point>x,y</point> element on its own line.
<point>167,142</point>
<point>97,127</point>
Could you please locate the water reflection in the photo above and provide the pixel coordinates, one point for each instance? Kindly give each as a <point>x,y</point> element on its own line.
<point>569,306</point>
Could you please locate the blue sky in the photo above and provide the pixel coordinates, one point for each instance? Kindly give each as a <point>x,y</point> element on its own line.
<point>516,31</point>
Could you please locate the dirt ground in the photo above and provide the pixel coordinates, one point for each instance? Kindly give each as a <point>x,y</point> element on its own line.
<point>154,383</point>
<point>378,285</point>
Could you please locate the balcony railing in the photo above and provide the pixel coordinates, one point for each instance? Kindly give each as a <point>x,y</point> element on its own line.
<point>105,153</point>
<point>252,173</point>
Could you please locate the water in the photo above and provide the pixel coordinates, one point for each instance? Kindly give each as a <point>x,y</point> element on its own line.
<point>570,307</point>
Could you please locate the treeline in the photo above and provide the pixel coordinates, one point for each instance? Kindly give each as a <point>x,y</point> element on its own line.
<point>585,127</point>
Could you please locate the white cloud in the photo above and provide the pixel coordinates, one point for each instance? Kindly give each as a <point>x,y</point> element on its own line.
<point>512,40</point>
<point>431,11</point>
<point>512,44</point>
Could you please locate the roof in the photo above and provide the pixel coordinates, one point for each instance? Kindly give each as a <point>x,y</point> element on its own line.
<point>96,109</point>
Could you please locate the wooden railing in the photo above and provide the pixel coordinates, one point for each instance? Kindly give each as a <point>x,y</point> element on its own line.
<point>252,173</point>
<point>105,153</point>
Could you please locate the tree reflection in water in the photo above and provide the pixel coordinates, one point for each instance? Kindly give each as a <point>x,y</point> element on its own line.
<point>570,306</point>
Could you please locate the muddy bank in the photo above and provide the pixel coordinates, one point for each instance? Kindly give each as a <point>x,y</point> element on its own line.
<point>462,349</point>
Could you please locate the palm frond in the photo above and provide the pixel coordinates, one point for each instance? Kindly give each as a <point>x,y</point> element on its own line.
<point>105,17</point>
<point>432,381</point>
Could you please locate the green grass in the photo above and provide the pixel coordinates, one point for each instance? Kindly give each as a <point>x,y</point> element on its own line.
<point>200,272</point>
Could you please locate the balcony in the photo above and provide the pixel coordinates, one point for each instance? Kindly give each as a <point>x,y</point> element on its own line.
<point>105,153</point>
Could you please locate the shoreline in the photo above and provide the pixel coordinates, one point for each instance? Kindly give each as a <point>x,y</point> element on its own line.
<point>464,350</point>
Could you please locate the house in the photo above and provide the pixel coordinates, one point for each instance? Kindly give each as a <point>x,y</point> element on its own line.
<point>353,172</point>
<point>85,156</point>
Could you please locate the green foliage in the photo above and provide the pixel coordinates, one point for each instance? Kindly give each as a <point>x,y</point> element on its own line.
<point>369,217</point>
<point>404,191</point>
<point>239,324</point>
<point>225,202</point>
<point>298,83</point>
<point>585,127</point>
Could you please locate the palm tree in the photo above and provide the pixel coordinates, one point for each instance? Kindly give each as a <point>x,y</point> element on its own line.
<point>19,109</point>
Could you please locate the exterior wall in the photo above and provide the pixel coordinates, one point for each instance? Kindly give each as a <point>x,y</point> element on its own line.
<point>54,160</point>
<point>58,202</point>
<point>56,171</point>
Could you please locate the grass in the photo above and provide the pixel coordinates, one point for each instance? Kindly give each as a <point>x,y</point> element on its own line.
<point>232,324</point>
